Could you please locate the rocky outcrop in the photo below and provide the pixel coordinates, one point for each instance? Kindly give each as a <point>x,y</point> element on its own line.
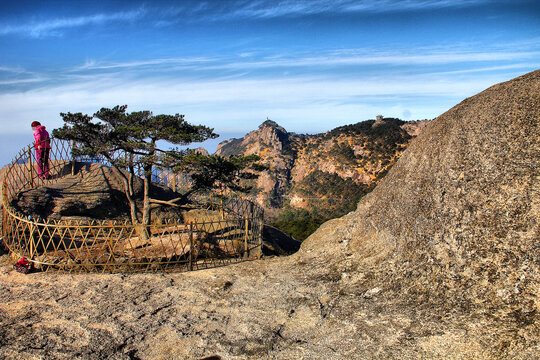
<point>94,191</point>
<point>276,148</point>
<point>416,127</point>
<point>362,152</point>
<point>454,225</point>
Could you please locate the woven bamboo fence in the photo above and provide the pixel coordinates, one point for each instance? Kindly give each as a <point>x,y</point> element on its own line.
<point>223,230</point>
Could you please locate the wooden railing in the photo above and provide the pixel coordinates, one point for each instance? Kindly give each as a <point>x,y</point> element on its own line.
<point>224,231</point>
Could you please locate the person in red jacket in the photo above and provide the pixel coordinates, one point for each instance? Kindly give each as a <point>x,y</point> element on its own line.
<point>43,147</point>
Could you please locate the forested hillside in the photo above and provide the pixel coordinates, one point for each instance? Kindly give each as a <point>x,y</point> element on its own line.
<point>313,178</point>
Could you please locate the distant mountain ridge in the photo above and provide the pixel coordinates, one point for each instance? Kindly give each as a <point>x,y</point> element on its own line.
<point>339,165</point>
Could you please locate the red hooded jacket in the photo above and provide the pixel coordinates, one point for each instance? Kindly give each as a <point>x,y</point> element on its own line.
<point>41,136</point>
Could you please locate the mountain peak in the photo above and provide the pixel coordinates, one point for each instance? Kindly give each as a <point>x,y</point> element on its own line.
<point>270,123</point>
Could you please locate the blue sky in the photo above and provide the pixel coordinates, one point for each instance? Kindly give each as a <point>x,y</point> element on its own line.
<point>309,65</point>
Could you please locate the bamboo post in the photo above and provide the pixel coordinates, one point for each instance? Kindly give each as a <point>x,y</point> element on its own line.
<point>111,242</point>
<point>73,158</point>
<point>246,238</point>
<point>30,166</point>
<point>174,183</point>
<point>4,193</point>
<point>260,226</point>
<point>4,219</point>
<point>221,208</point>
<point>191,245</point>
<point>31,241</point>
<point>4,211</point>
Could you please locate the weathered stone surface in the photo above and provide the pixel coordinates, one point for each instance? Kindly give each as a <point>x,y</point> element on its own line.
<point>95,191</point>
<point>440,261</point>
<point>455,223</point>
<point>265,309</point>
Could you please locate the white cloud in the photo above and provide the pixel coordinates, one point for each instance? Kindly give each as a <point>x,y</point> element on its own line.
<point>492,68</point>
<point>95,65</point>
<point>249,61</point>
<point>53,26</point>
<point>389,58</point>
<point>12,69</point>
<point>240,9</point>
<point>272,9</point>
<point>231,104</point>
<point>31,80</point>
<point>300,104</point>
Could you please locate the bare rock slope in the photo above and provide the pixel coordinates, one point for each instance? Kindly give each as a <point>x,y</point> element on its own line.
<point>455,224</point>
<point>440,261</point>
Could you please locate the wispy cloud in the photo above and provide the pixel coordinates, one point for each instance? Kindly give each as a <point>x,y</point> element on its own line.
<point>55,26</point>
<point>272,8</point>
<point>18,82</point>
<point>334,59</point>
<point>17,76</point>
<point>162,16</point>
<point>13,70</point>
<point>306,104</point>
<point>344,58</point>
<point>492,68</point>
<point>230,103</point>
<point>95,65</point>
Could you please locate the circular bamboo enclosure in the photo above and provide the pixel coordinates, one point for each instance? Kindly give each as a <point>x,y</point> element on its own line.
<point>216,232</point>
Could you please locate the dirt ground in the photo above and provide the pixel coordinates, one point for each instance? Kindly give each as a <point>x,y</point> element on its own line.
<point>276,308</point>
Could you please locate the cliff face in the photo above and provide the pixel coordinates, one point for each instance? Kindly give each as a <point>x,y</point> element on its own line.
<point>275,146</point>
<point>360,153</point>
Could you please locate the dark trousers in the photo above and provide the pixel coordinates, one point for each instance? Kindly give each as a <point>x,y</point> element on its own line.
<point>42,156</point>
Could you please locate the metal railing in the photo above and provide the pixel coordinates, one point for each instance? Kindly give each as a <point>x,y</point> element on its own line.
<point>222,230</point>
